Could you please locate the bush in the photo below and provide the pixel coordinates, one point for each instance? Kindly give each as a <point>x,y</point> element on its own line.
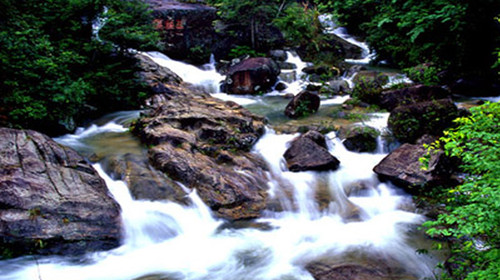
<point>55,70</point>
<point>472,219</point>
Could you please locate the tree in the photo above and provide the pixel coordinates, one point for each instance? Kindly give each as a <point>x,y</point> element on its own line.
<point>459,35</point>
<point>55,71</point>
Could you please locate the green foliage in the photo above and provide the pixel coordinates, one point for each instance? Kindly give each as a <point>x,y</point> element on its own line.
<point>55,70</point>
<point>426,74</point>
<point>240,51</point>
<point>459,35</point>
<point>367,91</point>
<point>303,109</point>
<point>473,217</point>
<point>299,25</point>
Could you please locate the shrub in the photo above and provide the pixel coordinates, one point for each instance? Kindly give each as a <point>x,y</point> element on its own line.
<point>472,219</point>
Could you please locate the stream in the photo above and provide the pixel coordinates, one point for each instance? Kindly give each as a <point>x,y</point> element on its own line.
<point>357,217</point>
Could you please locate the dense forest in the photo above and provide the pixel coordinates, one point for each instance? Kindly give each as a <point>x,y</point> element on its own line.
<point>57,71</point>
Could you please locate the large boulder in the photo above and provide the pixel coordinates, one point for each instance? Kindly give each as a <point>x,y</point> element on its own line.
<point>52,201</point>
<point>205,143</point>
<point>360,138</point>
<point>391,99</point>
<point>410,122</point>
<point>403,168</point>
<point>186,28</point>
<point>251,76</point>
<point>309,152</point>
<point>302,104</point>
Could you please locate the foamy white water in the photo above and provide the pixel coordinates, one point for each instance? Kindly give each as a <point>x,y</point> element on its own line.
<point>205,77</point>
<point>187,242</point>
<point>330,27</point>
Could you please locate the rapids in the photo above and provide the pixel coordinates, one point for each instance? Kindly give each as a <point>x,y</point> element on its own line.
<point>346,213</point>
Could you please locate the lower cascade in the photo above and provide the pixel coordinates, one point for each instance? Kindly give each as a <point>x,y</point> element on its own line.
<point>344,218</point>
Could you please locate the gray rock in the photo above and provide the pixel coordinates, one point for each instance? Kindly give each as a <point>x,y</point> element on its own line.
<point>52,201</point>
<point>308,152</point>
<point>302,104</point>
<point>391,99</point>
<point>204,143</point>
<point>403,168</point>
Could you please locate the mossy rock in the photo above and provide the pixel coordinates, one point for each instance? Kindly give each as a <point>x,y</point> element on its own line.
<point>410,122</point>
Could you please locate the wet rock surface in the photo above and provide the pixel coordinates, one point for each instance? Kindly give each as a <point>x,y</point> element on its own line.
<point>309,152</point>
<point>376,268</point>
<point>410,122</point>
<point>205,143</point>
<point>143,181</point>
<point>302,104</point>
<point>391,99</point>
<point>51,200</point>
<point>251,76</point>
<point>403,168</point>
<point>360,138</point>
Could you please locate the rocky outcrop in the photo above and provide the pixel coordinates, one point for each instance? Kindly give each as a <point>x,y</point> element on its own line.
<point>186,28</point>
<point>204,143</point>
<point>251,76</point>
<point>51,200</point>
<point>403,168</point>
<point>155,75</point>
<point>302,104</point>
<point>360,139</point>
<point>369,268</point>
<point>391,99</point>
<point>410,122</point>
<point>143,181</point>
<point>309,152</point>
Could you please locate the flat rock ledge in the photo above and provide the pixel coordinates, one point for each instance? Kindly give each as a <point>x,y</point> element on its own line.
<point>51,200</point>
<point>204,143</point>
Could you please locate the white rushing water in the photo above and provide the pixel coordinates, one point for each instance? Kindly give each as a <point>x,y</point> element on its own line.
<point>187,242</point>
<point>367,55</point>
<point>205,77</point>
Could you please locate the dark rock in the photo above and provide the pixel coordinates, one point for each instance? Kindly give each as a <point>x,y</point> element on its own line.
<point>475,87</point>
<point>286,65</point>
<point>251,76</point>
<point>410,122</point>
<point>321,70</point>
<point>360,139</point>
<point>278,55</point>
<point>403,168</point>
<point>419,93</point>
<point>369,76</point>
<point>186,28</point>
<point>154,74</point>
<point>302,104</point>
<point>52,201</point>
<point>367,268</point>
<point>309,152</point>
<point>339,86</point>
<point>204,143</point>
<point>313,87</point>
<point>280,86</point>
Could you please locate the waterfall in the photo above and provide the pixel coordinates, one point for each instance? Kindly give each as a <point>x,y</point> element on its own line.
<point>330,27</point>
<point>207,78</point>
<point>187,242</point>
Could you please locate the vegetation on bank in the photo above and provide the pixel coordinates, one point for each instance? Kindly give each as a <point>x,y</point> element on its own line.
<point>460,36</point>
<point>57,70</point>
<point>472,220</point>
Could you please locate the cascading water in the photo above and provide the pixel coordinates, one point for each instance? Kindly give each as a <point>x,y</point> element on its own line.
<point>318,215</point>
<point>186,242</point>
<point>330,27</point>
<point>207,78</point>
